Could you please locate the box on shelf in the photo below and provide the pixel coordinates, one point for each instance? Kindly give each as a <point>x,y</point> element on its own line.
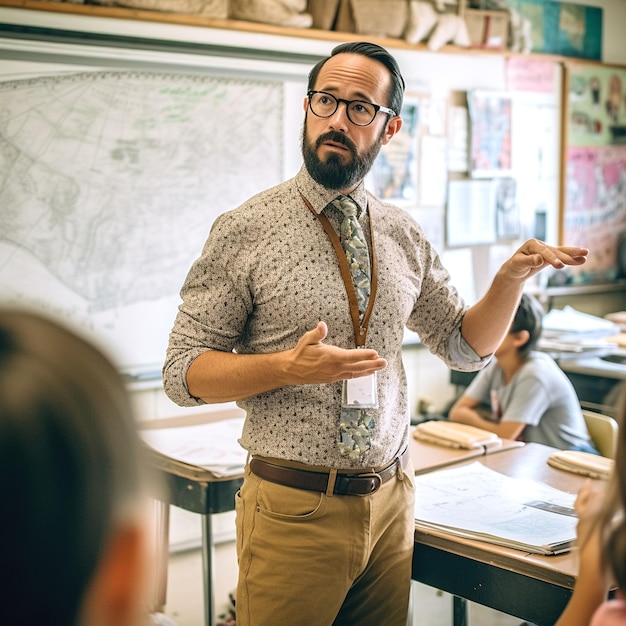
<point>487,29</point>
<point>324,13</point>
<point>385,18</point>
<point>206,8</point>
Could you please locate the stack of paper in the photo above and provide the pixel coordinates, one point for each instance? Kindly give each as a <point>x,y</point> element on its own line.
<point>569,332</point>
<point>475,502</point>
<point>619,318</point>
<point>213,446</point>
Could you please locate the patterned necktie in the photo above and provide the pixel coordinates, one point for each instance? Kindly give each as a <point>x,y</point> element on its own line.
<point>355,429</point>
<point>355,246</point>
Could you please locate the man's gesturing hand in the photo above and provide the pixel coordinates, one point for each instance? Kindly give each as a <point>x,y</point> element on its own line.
<point>313,361</point>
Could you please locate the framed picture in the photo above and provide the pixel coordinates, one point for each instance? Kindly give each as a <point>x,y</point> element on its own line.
<point>490,133</point>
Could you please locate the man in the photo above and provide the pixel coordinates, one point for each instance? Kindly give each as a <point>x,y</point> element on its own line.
<point>522,393</point>
<point>274,316</point>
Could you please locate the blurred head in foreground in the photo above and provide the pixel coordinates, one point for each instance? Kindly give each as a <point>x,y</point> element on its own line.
<point>73,540</point>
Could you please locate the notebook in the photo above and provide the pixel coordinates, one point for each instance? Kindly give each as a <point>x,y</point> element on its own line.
<point>455,435</point>
<point>583,463</point>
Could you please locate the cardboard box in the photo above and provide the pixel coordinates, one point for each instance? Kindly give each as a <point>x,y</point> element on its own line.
<point>487,29</point>
<point>324,13</point>
<point>205,8</point>
<point>382,18</point>
<point>385,18</point>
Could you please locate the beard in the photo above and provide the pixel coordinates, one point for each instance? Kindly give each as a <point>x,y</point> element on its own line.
<point>333,173</point>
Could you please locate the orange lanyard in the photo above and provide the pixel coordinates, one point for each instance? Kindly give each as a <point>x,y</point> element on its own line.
<point>360,328</point>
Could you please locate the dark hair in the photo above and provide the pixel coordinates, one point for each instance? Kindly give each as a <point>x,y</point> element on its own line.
<point>372,51</point>
<point>528,317</point>
<point>69,466</point>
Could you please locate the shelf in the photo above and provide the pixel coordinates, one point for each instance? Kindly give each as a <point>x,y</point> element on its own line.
<point>180,19</point>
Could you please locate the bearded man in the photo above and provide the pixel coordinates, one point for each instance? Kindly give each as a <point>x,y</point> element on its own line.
<point>296,309</point>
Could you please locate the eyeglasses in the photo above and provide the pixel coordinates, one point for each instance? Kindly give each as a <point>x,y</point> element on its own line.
<point>360,113</point>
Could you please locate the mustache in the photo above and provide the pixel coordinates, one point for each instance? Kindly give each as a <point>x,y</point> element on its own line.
<point>336,137</point>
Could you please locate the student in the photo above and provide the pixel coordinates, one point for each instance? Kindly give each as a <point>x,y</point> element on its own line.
<point>602,546</point>
<point>73,541</point>
<point>277,316</point>
<point>522,393</point>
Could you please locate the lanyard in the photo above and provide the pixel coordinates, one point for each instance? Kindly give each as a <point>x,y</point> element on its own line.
<point>360,328</point>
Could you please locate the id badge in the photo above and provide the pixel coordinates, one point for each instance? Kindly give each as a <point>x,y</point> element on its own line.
<point>360,392</point>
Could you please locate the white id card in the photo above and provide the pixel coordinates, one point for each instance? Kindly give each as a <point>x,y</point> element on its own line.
<point>360,392</point>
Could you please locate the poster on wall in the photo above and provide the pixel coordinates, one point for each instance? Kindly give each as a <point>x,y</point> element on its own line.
<point>490,133</point>
<point>470,213</point>
<point>573,30</point>
<point>393,176</point>
<point>508,219</point>
<point>594,206</point>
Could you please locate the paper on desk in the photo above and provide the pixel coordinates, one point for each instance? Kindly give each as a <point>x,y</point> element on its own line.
<point>476,502</point>
<point>568,321</point>
<point>213,446</point>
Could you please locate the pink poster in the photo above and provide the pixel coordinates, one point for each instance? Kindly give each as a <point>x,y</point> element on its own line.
<point>535,75</point>
<point>595,205</point>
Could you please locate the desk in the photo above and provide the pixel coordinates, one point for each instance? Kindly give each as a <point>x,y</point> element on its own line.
<point>594,378</point>
<point>427,457</point>
<point>194,489</point>
<point>529,586</point>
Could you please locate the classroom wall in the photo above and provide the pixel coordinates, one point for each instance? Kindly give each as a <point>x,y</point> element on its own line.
<point>431,73</point>
<point>437,75</point>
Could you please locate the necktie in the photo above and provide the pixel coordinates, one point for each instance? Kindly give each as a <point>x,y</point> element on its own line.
<point>355,429</point>
<point>355,245</point>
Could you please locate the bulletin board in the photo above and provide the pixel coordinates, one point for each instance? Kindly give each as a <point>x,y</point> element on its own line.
<point>594,173</point>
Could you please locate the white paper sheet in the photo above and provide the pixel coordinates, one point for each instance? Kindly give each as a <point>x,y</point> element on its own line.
<point>476,502</point>
<point>213,446</point>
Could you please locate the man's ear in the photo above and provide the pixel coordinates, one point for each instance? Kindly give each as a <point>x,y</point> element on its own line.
<point>117,592</point>
<point>393,126</point>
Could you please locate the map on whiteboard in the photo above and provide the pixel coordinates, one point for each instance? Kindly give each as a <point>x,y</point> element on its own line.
<point>109,184</point>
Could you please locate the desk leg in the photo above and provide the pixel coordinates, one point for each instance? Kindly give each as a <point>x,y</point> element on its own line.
<point>208,558</point>
<point>161,537</point>
<point>459,611</point>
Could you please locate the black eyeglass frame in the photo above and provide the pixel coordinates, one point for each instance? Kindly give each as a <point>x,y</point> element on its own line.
<point>377,107</point>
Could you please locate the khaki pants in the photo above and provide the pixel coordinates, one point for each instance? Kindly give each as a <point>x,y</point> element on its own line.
<point>308,559</point>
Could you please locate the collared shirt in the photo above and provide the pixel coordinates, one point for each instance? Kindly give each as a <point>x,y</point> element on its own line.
<point>269,273</point>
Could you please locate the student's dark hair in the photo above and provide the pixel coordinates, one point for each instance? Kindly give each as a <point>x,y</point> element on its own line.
<point>528,316</point>
<point>372,51</point>
<point>69,466</point>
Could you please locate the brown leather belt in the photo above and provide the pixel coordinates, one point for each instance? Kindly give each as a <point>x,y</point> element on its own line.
<point>345,484</point>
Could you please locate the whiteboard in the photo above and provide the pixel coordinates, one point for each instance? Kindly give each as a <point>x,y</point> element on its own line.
<point>109,183</point>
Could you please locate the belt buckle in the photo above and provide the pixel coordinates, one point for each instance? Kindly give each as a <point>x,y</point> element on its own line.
<point>375,481</point>
<point>378,481</point>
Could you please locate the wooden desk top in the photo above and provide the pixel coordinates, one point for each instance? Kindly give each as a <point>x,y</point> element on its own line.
<point>428,457</point>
